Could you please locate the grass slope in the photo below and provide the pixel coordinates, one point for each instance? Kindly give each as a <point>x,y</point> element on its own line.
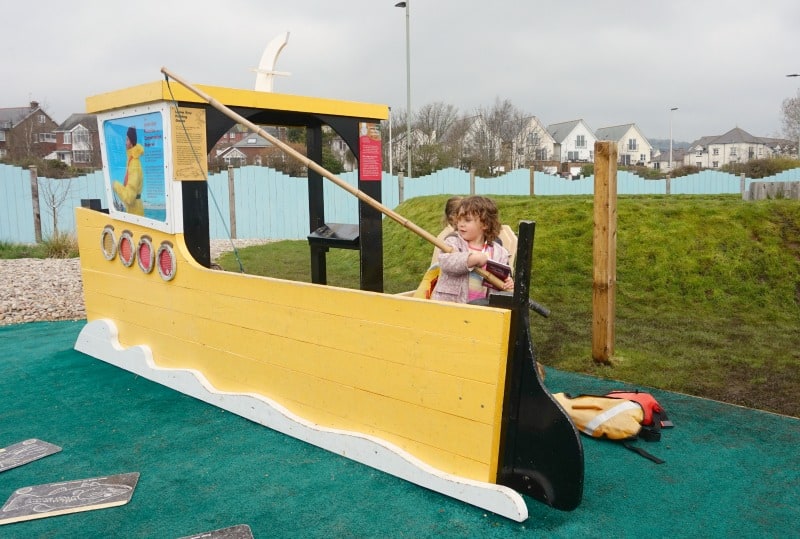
<point>707,299</point>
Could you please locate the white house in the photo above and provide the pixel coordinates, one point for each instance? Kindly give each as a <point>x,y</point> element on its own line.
<point>735,146</point>
<point>660,160</point>
<point>633,148</point>
<point>533,143</point>
<point>572,141</point>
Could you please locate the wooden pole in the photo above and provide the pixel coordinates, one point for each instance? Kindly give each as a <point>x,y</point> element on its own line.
<point>37,213</point>
<point>532,180</point>
<point>232,201</point>
<point>316,167</point>
<point>604,277</point>
<point>401,188</point>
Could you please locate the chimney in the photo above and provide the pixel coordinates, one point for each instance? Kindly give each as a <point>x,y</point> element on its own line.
<point>34,105</point>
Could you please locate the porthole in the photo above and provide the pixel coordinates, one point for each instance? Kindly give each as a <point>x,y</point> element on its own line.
<point>126,250</point>
<point>145,254</point>
<point>165,261</point>
<point>108,243</point>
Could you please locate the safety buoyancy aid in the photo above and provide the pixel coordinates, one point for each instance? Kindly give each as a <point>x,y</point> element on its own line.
<point>603,417</point>
<point>619,415</point>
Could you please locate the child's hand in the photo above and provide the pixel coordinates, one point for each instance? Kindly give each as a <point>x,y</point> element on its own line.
<point>477,259</point>
<point>508,284</point>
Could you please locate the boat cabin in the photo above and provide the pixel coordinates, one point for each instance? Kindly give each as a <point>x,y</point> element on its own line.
<point>178,129</point>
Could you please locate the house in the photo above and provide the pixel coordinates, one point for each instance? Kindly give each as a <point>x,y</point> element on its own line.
<point>781,146</point>
<point>533,143</point>
<point>735,146</point>
<point>233,136</point>
<point>78,141</point>
<point>573,141</point>
<point>633,148</point>
<point>252,149</point>
<point>661,161</point>
<point>26,132</point>
<point>479,146</point>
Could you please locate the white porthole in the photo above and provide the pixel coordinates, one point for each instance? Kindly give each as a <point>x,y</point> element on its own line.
<point>108,243</point>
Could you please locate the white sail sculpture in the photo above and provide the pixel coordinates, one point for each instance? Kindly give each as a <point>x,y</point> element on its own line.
<point>265,72</point>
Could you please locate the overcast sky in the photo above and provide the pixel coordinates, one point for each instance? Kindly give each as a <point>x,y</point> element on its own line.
<point>722,63</point>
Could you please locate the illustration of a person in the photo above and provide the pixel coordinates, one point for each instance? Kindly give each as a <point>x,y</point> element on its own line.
<point>130,191</point>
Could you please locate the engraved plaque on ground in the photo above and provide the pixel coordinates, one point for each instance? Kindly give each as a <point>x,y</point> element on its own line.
<point>25,452</point>
<point>40,501</point>
<point>242,531</point>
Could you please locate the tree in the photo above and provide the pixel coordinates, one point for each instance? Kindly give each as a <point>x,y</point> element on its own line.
<point>54,193</point>
<point>396,143</point>
<point>435,120</point>
<point>435,148</point>
<point>503,124</point>
<point>791,117</point>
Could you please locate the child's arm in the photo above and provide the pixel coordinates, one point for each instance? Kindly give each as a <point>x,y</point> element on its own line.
<point>455,262</point>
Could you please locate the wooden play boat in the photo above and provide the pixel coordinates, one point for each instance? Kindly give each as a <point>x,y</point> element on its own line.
<point>442,395</point>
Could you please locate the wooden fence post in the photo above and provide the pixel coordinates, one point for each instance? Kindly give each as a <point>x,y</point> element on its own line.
<point>604,277</point>
<point>741,186</point>
<point>401,187</point>
<point>232,201</point>
<point>532,181</point>
<point>37,214</point>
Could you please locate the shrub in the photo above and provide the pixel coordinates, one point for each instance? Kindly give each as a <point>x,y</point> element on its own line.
<point>60,245</point>
<point>761,168</point>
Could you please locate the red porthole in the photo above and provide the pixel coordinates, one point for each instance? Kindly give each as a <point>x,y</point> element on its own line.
<point>145,254</point>
<point>126,250</point>
<point>165,261</point>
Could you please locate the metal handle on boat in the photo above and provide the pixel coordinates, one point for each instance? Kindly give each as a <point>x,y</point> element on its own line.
<point>324,172</point>
<point>538,308</point>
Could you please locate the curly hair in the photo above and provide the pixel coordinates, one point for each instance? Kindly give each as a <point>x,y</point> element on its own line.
<point>451,210</point>
<point>485,210</point>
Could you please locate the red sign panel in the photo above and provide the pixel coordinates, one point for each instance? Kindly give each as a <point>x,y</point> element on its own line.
<point>370,163</point>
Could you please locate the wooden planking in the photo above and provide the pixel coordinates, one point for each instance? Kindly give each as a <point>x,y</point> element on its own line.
<point>449,393</point>
<point>449,344</point>
<point>292,361</point>
<point>450,319</point>
<point>450,443</point>
<point>432,391</point>
<point>232,97</point>
<point>418,348</point>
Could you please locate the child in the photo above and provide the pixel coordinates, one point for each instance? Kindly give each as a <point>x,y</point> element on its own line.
<point>474,243</point>
<point>450,220</point>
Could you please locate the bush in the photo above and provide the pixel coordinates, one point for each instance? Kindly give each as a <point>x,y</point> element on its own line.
<point>646,173</point>
<point>761,168</point>
<point>50,168</point>
<point>685,170</point>
<point>60,245</point>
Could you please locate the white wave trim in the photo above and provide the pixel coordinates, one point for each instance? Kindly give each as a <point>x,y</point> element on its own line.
<point>99,339</point>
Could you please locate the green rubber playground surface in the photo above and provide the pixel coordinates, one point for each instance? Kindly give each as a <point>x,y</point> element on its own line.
<point>729,471</point>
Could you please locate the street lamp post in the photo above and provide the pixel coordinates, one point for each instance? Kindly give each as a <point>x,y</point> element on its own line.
<point>408,84</point>
<point>798,130</point>
<point>673,109</point>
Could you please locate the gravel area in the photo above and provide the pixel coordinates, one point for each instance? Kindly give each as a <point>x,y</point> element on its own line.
<point>34,289</point>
